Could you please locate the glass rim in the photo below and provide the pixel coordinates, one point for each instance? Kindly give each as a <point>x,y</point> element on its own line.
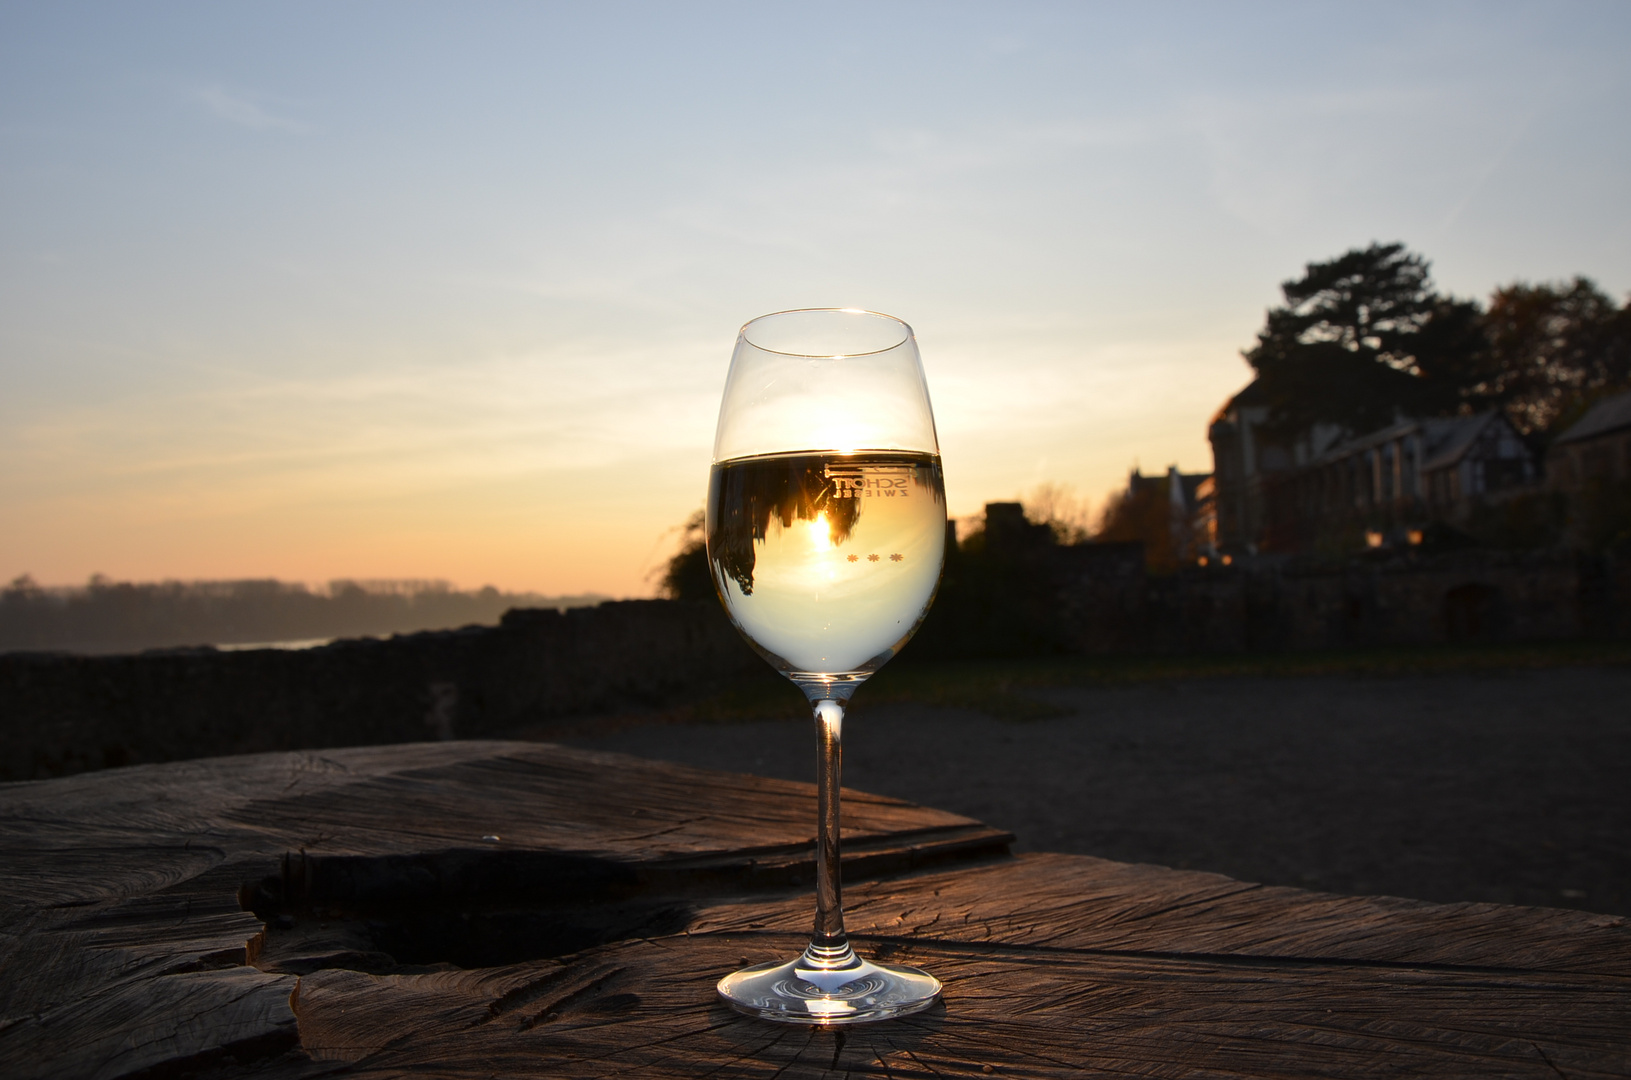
<point>906,332</point>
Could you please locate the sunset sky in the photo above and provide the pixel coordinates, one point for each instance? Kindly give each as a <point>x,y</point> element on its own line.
<point>419,290</point>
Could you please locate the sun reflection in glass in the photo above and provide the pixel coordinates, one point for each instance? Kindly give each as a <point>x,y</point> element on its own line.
<point>820,533</point>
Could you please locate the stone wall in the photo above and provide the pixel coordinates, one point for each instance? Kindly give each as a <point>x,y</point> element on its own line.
<point>1106,603</point>
<point>62,714</point>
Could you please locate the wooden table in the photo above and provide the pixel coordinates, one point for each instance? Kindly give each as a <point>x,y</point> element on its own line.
<point>513,909</point>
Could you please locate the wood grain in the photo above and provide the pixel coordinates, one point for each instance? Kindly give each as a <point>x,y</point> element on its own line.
<point>125,946</point>
<point>620,890</point>
<point>1078,902</point>
<point>646,1009</point>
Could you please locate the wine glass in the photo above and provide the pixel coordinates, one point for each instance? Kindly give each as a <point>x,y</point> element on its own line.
<point>826,535</point>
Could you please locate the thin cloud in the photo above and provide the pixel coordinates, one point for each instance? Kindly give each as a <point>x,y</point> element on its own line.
<point>1519,130</point>
<point>240,110</point>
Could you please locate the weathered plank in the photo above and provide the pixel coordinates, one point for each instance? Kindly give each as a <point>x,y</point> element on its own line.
<point>647,1009</point>
<point>122,936</point>
<point>169,1021</point>
<point>1054,966</point>
<point>126,952</point>
<point>1078,902</point>
<point>102,835</point>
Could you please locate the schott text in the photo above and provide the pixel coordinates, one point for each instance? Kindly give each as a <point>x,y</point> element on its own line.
<point>869,487</point>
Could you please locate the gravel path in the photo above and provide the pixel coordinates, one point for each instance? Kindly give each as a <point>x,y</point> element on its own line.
<point>1512,788</point>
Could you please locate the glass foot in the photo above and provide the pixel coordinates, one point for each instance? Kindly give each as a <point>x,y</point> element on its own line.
<point>802,992</point>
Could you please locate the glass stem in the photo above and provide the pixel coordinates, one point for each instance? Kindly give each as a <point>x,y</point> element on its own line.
<point>829,948</point>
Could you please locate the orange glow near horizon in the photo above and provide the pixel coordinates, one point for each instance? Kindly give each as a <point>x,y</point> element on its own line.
<point>454,298</point>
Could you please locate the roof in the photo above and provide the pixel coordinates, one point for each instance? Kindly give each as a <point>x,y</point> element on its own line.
<point>1188,483</point>
<point>1457,437</point>
<point>1445,440</point>
<point>1250,394</point>
<point>1371,439</point>
<point>1608,415</point>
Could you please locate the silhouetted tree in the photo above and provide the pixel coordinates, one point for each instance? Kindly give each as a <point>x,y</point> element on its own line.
<point>686,576</point>
<point>1063,511</point>
<point>1364,338</point>
<point>1142,512</point>
<point>1361,339</point>
<point>1554,347</point>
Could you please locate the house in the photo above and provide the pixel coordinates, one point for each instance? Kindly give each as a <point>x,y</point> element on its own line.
<point>1474,458</point>
<point>1596,448</point>
<point>1418,470</point>
<point>1248,460</point>
<point>1396,480</point>
<point>1319,490</point>
<point>1179,489</point>
<point>1187,509</point>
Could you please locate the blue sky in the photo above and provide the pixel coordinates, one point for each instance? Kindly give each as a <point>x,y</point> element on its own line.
<point>381,290</point>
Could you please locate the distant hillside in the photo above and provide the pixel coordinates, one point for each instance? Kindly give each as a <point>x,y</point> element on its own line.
<point>113,617</point>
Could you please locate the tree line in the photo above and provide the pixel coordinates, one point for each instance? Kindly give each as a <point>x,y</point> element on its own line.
<point>1366,337</point>
<point>1360,341</point>
<point>104,616</point>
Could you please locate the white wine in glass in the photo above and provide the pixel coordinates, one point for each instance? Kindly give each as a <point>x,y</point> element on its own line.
<point>826,537</point>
